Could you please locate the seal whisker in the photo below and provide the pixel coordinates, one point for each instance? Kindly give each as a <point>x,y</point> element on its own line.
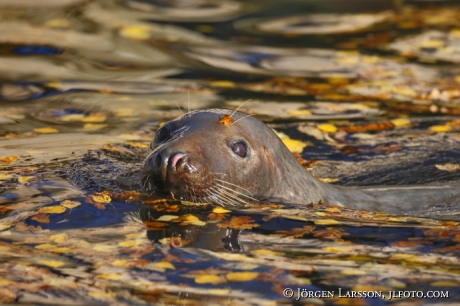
<point>239,108</point>
<point>236,193</point>
<point>225,182</point>
<point>229,195</point>
<point>239,119</point>
<point>222,198</point>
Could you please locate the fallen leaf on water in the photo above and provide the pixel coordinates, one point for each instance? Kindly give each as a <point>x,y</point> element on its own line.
<point>59,237</point>
<point>42,218</point>
<point>137,32</point>
<point>241,276</point>
<point>225,84</point>
<point>264,252</point>
<point>445,283</point>
<point>8,159</point>
<point>25,179</point>
<point>448,167</point>
<point>239,222</point>
<point>328,128</point>
<point>440,128</point>
<point>56,209</point>
<point>294,145</point>
<point>220,210</point>
<point>46,130</point>
<point>70,204</point>
<point>164,265</point>
<point>45,246</point>
<point>326,222</point>
<point>51,263</point>
<point>209,279</point>
<point>101,197</point>
<point>111,276</point>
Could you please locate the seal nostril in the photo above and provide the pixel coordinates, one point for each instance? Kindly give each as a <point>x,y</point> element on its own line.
<point>175,158</point>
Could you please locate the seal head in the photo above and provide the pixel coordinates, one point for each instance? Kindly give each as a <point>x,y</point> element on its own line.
<point>219,156</point>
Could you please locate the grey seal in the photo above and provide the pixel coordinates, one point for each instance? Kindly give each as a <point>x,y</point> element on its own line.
<point>228,158</point>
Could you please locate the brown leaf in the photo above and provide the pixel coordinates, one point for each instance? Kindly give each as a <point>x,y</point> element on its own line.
<point>226,120</point>
<point>239,222</point>
<point>42,218</point>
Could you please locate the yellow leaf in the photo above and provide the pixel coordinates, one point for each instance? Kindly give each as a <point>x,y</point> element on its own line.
<point>122,263</point>
<point>326,222</point>
<point>111,276</point>
<point>25,179</point>
<point>445,283</point>
<point>4,248</point>
<point>5,176</point>
<point>191,218</point>
<point>403,256</point>
<point>295,146</point>
<point>333,209</point>
<point>138,145</point>
<point>353,272</point>
<point>51,263</point>
<point>46,130</point>
<point>448,167</point>
<point>96,117</point>
<point>264,252</point>
<point>219,291</point>
<point>164,265</point>
<point>129,136</point>
<point>57,23</point>
<point>129,243</point>
<point>457,79</point>
<point>135,235</point>
<point>400,122</point>
<point>94,126</point>
<point>241,276</point>
<point>319,213</point>
<point>5,282</point>
<point>328,128</point>
<point>339,249</point>
<point>220,210</point>
<point>59,237</point>
<point>70,204</point>
<point>56,209</point>
<point>72,117</point>
<point>135,32</point>
<point>440,128</point>
<point>8,159</point>
<point>225,84</point>
<point>101,198</point>
<point>124,112</point>
<point>298,112</point>
<point>432,43</point>
<point>329,179</point>
<point>208,279</point>
<point>405,91</point>
<point>45,246</point>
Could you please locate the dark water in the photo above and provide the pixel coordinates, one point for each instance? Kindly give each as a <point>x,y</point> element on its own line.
<point>366,92</point>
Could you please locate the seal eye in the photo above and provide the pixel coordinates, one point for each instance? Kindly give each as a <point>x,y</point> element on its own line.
<point>240,148</point>
<point>162,134</point>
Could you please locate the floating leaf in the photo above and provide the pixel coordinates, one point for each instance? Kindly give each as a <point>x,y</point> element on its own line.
<point>101,197</point>
<point>241,276</point>
<point>8,159</point>
<point>129,243</point>
<point>326,222</point>
<point>328,128</point>
<point>42,218</point>
<point>226,120</point>
<point>225,84</point>
<point>294,145</point>
<point>70,204</point>
<point>135,32</point>
<point>264,252</point>
<point>45,246</point>
<point>95,117</point>
<point>164,265</point>
<point>59,237</point>
<point>94,126</point>
<point>25,179</point>
<point>448,167</point>
<point>208,279</point>
<point>353,272</point>
<point>56,209</point>
<point>239,222</point>
<point>220,210</point>
<point>167,218</point>
<point>111,276</point>
<point>51,263</point>
<point>46,130</point>
<point>401,122</point>
<point>440,128</point>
